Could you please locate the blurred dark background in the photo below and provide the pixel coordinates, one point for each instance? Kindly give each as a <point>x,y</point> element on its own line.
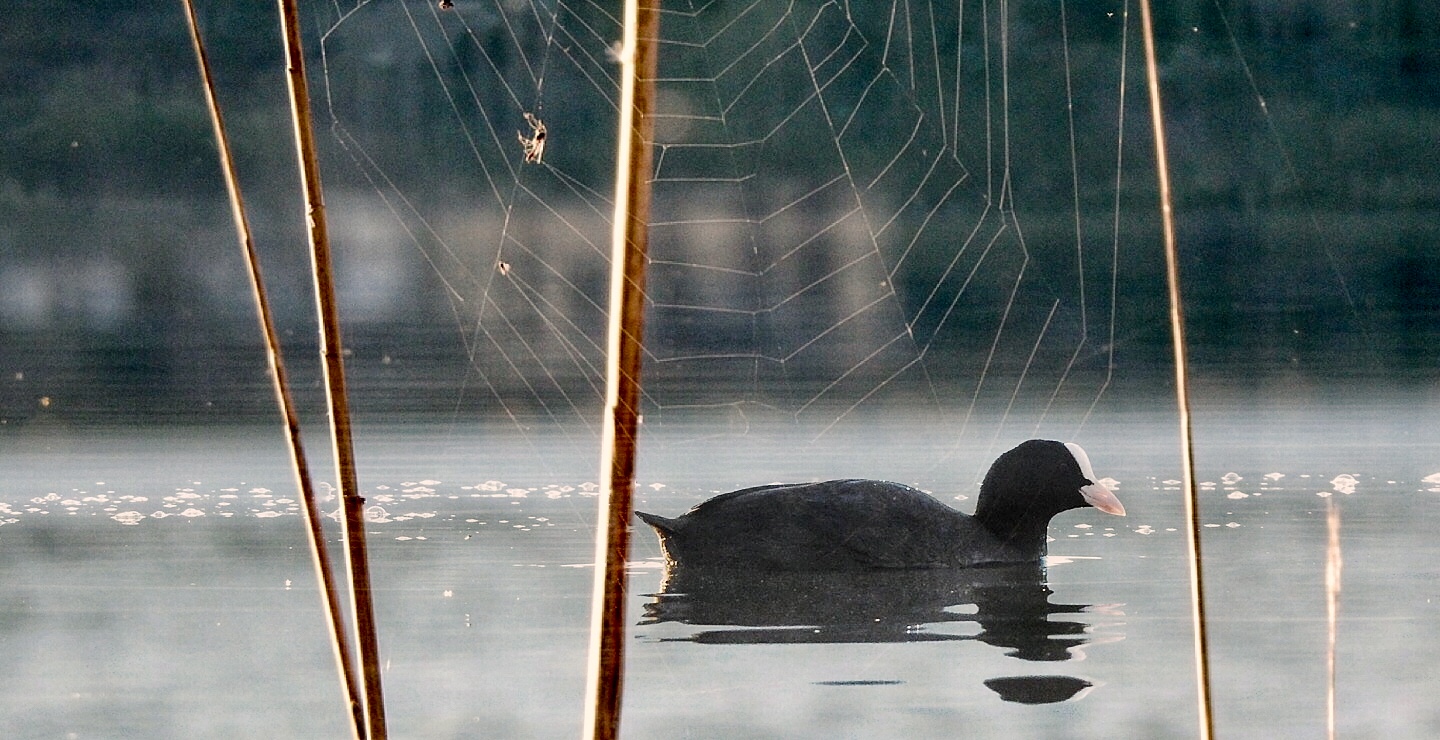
<point>1307,213</point>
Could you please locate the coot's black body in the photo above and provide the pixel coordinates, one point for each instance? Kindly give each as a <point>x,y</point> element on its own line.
<point>843,525</point>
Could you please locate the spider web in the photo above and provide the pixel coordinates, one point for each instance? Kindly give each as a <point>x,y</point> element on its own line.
<point>856,206</point>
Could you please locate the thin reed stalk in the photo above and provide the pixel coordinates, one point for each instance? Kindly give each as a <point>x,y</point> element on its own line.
<point>1333,565</point>
<point>352,503</point>
<point>319,555</point>
<point>629,242</point>
<point>1182,385</point>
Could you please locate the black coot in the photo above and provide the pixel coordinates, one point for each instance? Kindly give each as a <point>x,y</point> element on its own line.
<point>843,525</point>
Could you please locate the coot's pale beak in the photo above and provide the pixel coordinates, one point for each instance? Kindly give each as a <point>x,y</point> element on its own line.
<point>1102,498</point>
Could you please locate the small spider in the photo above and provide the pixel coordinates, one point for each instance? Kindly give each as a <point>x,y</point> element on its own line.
<point>535,145</point>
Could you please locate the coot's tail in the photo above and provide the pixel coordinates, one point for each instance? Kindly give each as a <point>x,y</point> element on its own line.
<point>666,529</point>
<point>661,524</point>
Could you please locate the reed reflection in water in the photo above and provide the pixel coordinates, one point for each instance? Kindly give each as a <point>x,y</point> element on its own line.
<point>1010,606</point>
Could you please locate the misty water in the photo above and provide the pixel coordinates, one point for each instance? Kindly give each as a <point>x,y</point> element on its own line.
<point>157,585</point>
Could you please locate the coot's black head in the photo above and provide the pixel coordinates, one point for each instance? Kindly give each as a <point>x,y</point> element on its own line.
<point>1035,481</point>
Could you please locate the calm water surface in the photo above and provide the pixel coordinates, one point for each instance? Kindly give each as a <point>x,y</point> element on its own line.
<point>157,585</point>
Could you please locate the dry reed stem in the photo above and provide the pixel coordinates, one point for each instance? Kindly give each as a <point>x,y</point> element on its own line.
<point>1182,388</point>
<point>319,556</point>
<point>333,369</point>
<point>1333,565</point>
<point>629,240</point>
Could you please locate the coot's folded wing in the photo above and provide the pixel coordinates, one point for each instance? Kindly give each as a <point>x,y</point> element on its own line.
<point>889,525</point>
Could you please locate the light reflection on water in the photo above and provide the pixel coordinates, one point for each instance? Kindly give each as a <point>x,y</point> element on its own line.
<point>157,585</point>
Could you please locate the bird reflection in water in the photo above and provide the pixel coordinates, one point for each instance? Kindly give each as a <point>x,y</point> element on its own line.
<point>1009,604</point>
